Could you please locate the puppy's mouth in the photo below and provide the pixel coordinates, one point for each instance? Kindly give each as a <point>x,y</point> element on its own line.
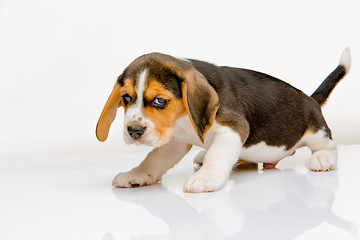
<point>146,140</point>
<point>142,142</point>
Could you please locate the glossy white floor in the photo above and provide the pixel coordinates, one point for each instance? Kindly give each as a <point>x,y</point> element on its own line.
<point>72,198</point>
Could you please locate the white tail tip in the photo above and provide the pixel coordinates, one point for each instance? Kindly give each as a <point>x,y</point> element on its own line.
<point>345,59</point>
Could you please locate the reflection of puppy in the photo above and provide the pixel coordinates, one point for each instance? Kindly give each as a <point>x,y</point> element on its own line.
<point>171,104</point>
<point>287,205</point>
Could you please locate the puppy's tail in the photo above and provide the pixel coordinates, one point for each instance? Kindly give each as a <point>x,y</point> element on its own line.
<point>323,91</point>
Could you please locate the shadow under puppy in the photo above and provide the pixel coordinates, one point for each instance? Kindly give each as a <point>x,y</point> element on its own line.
<point>172,104</point>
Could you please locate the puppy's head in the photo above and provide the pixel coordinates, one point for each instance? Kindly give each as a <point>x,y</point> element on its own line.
<point>156,90</point>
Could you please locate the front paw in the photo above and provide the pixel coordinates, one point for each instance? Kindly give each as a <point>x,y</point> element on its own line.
<point>205,181</point>
<point>134,178</point>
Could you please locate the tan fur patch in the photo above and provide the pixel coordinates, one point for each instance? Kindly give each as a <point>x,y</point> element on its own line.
<point>164,119</point>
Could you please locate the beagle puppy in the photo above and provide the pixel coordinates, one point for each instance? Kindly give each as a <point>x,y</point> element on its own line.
<point>235,114</point>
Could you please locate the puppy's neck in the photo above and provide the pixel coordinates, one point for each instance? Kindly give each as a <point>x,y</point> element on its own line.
<point>185,132</point>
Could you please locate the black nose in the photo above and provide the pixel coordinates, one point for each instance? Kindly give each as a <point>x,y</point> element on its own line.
<point>136,131</point>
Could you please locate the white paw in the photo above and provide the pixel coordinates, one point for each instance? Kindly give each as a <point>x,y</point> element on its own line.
<point>134,178</point>
<point>205,181</point>
<point>322,160</point>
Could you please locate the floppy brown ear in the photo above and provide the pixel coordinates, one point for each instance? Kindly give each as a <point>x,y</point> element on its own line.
<point>201,101</point>
<point>108,114</point>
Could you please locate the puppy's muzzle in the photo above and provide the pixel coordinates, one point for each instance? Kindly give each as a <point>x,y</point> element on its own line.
<point>136,131</point>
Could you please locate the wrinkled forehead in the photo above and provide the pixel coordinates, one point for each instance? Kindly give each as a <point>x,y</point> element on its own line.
<point>141,74</point>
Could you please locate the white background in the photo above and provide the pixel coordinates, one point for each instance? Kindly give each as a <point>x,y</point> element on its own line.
<point>60,59</point>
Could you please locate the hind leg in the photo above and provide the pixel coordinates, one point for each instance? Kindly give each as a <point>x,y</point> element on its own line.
<point>324,152</point>
<point>199,159</point>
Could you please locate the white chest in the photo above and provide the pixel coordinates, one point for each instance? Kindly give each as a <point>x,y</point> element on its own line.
<point>185,132</point>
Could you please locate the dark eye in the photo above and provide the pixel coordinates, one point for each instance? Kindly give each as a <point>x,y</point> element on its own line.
<point>126,99</point>
<point>160,103</point>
